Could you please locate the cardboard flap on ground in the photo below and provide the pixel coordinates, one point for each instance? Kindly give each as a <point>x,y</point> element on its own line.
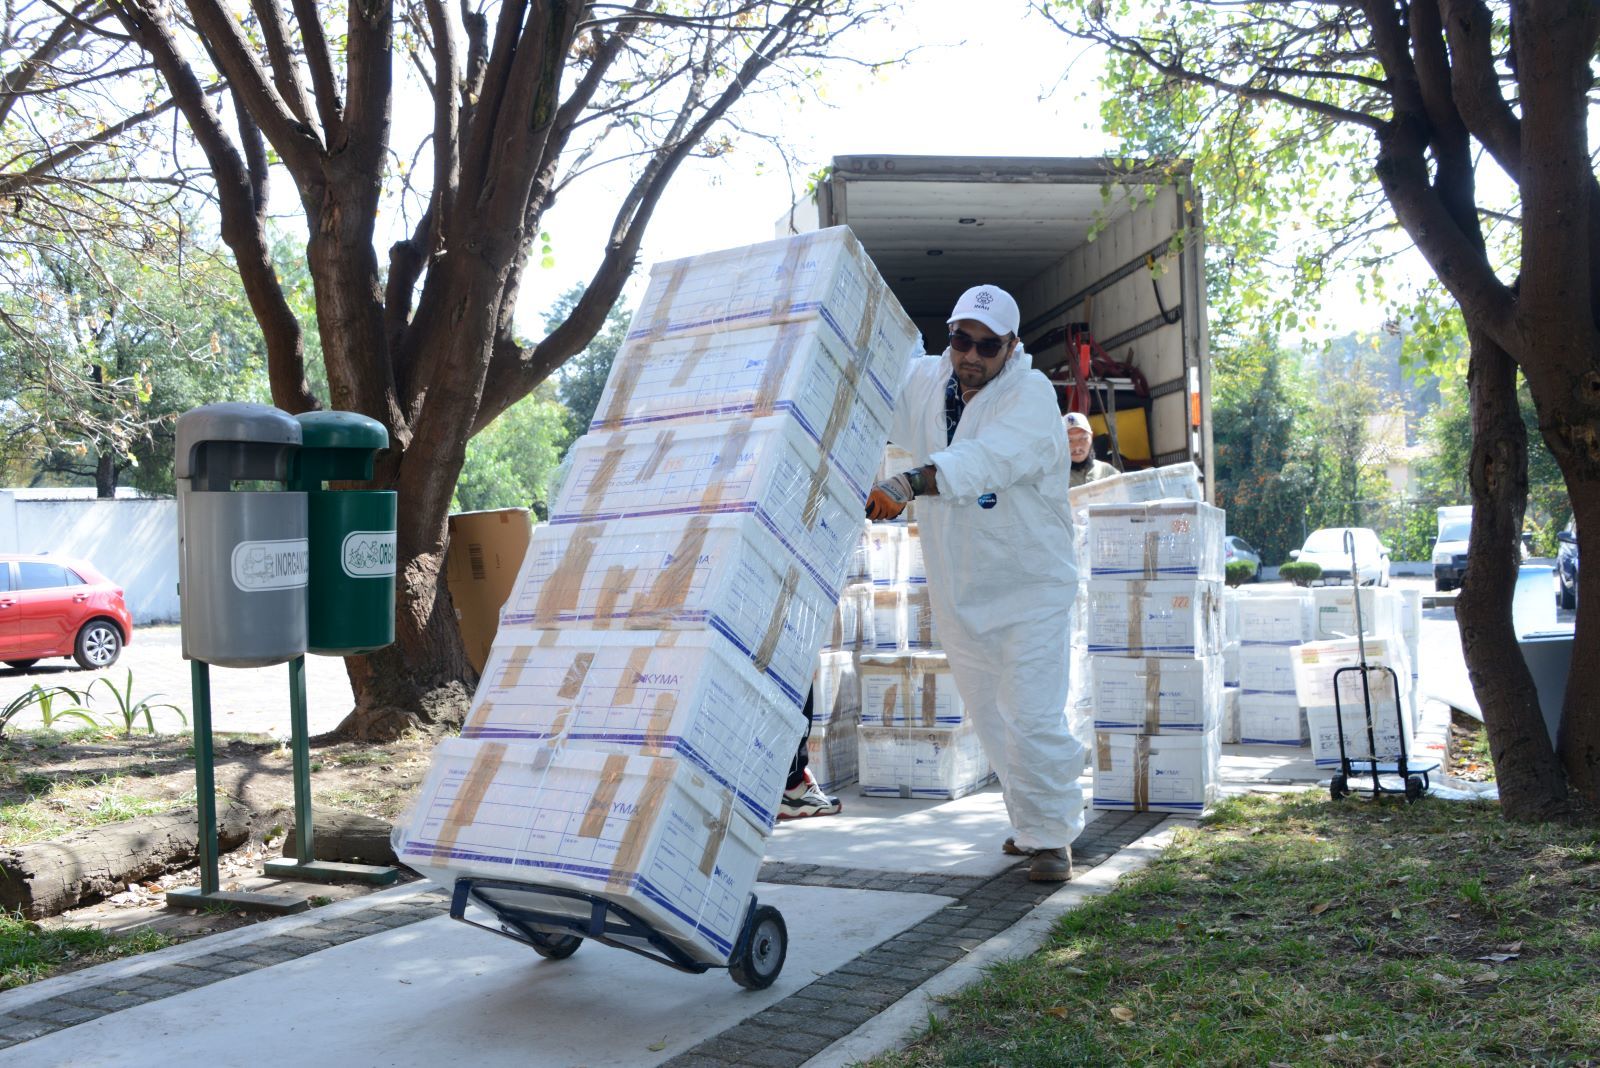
<point>481,565</point>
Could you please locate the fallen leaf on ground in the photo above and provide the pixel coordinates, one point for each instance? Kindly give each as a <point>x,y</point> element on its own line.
<point>1060,1011</point>
<point>1318,910</point>
<point>1514,947</point>
<point>1497,958</point>
<point>657,1047</point>
<point>1122,1013</point>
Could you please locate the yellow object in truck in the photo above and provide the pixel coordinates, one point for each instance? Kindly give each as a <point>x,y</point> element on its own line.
<point>1133,433</point>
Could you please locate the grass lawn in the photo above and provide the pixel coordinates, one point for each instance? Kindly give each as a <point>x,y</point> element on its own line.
<point>1288,930</point>
<point>29,952</point>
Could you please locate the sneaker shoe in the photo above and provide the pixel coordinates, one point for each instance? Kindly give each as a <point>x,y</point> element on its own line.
<point>807,800</point>
<point>1011,849</point>
<point>1050,866</point>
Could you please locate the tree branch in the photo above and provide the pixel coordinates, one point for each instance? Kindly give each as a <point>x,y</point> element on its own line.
<point>323,85</point>
<point>285,72</point>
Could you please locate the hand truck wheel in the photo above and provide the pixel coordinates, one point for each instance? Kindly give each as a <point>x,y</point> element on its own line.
<point>762,951</point>
<point>1414,788</point>
<point>554,946</point>
<point>1338,788</point>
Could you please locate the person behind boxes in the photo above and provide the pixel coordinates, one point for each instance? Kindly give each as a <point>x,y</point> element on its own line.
<point>1080,439</point>
<point>1002,574</point>
<point>802,795</point>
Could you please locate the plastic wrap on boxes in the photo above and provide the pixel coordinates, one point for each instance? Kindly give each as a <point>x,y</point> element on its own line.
<point>1228,729</point>
<point>1382,612</point>
<point>886,546</point>
<point>768,468</point>
<point>888,619</point>
<point>823,276</point>
<point>1156,695</point>
<point>1411,621</point>
<point>1156,540</point>
<point>798,370</point>
<point>1230,614</point>
<point>1156,773</point>
<point>726,573</point>
<point>1271,719</point>
<point>831,755</point>
<point>1230,664</point>
<point>1287,618</point>
<point>860,569</point>
<point>835,689</point>
<point>853,625</point>
<point>939,763</point>
<point>654,835</point>
<point>1164,618</point>
<point>909,690</point>
<point>1173,482</point>
<point>1316,662</point>
<point>916,570</point>
<point>1391,728</point>
<point>1267,669</point>
<point>896,461</point>
<point>653,693</point>
<point>920,632</point>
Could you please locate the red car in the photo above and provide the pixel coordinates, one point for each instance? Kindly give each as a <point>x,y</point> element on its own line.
<point>53,606</point>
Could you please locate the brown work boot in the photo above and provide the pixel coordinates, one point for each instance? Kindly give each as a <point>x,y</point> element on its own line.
<point>1011,849</point>
<point>1051,865</point>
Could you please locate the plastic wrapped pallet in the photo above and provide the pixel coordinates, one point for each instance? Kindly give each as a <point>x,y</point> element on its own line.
<point>909,690</point>
<point>1172,482</point>
<point>767,468</point>
<point>853,625</point>
<point>831,755</point>
<point>1163,618</point>
<point>653,693</point>
<point>835,689</point>
<point>1228,729</point>
<point>1156,695</point>
<point>1287,618</point>
<point>886,547</point>
<point>1156,540</point>
<point>888,619</point>
<point>920,633</point>
<point>797,370</point>
<point>940,763</point>
<point>1156,773</point>
<point>727,573</point>
<point>1316,663</point>
<point>1381,612</point>
<point>654,835</point>
<point>1271,719</point>
<point>821,278</point>
<point>1267,669</point>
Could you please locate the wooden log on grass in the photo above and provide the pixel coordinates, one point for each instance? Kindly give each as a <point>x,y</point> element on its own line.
<point>346,836</point>
<point>46,878</point>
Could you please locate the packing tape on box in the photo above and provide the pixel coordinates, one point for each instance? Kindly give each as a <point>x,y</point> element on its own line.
<point>652,464</point>
<point>1136,595</point>
<point>647,810</point>
<point>510,678</point>
<point>613,584</point>
<point>869,317</point>
<point>774,370</point>
<point>793,257</point>
<point>1152,695</point>
<point>718,826</point>
<point>929,680</point>
<point>598,810</point>
<point>464,809</point>
<point>671,588</point>
<point>1102,751</point>
<point>661,321</point>
<point>560,591</point>
<point>628,685</point>
<point>691,363</point>
<point>919,606</point>
<point>604,474</point>
<point>625,372</point>
<point>1141,773</point>
<point>762,657</point>
<point>1152,553</point>
<point>655,731</point>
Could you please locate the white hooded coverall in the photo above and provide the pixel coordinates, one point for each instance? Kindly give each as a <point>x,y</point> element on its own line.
<point>1002,579</point>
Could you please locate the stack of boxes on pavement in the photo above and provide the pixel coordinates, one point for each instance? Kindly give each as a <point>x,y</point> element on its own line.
<point>1271,626</point>
<point>634,724</point>
<point>1153,634</point>
<point>1391,626</point>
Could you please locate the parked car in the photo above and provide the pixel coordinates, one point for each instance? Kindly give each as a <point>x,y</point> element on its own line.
<point>1325,548</point>
<point>53,606</point>
<point>1450,546</point>
<point>1567,565</point>
<point>1236,548</point>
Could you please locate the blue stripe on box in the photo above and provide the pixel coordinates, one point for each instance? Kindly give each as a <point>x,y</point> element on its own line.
<point>567,519</point>
<point>1274,693</point>
<point>1161,806</point>
<point>679,328</point>
<point>1147,650</point>
<point>1118,572</point>
<point>1298,743</point>
<point>789,691</point>
<point>1166,728</point>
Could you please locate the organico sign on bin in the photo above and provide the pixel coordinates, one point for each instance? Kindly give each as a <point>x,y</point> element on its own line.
<point>243,555</point>
<point>351,595</point>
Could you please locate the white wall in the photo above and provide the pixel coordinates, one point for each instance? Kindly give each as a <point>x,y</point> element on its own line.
<point>134,543</point>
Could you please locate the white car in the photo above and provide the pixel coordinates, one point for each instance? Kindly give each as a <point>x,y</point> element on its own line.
<point>1326,548</point>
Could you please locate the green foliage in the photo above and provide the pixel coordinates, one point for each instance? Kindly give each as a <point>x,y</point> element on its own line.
<point>582,379</point>
<point>29,952</point>
<point>1239,572</point>
<point>130,710</point>
<point>1300,572</point>
<point>509,463</point>
<point>44,697</point>
<point>46,700</point>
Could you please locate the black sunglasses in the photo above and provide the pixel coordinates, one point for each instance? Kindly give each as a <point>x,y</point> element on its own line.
<point>964,342</point>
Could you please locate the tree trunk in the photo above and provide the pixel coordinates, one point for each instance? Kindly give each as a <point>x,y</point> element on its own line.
<point>1579,740</point>
<point>1532,785</point>
<point>105,476</point>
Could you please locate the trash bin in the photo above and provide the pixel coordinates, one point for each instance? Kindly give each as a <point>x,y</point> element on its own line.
<point>242,552</point>
<point>351,596</point>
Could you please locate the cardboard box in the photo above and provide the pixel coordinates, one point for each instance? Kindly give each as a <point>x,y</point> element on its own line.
<point>920,632</point>
<point>886,547</point>
<point>1156,695</point>
<point>1389,732</point>
<point>835,690</point>
<point>1267,669</point>
<point>768,468</point>
<point>647,692</point>
<point>1382,612</point>
<point>832,755</point>
<point>860,569</point>
<point>821,280</point>
<point>1165,618</point>
<point>481,565</point>
<point>725,573</point>
<point>888,619</point>
<point>1156,540</point>
<point>1172,482</point>
<point>916,570</point>
<point>854,628</point>
<point>654,835</point>
<point>1271,719</point>
<point>1228,729</point>
<point>896,461</point>
<point>1156,773</point>
<point>1230,664</point>
<point>1230,613</point>
<point>1316,663</point>
<point>1287,618</point>
<point>909,690</point>
<point>939,763</point>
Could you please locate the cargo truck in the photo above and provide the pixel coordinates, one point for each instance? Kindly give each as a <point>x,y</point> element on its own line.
<point>1106,261</point>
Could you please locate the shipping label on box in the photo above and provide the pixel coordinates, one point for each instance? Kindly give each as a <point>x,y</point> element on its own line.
<point>651,693</point>
<point>909,690</point>
<point>1162,539</point>
<point>835,689</point>
<point>793,370</point>
<point>1381,612</point>
<point>1156,773</point>
<point>1276,619</point>
<point>768,468</point>
<point>1267,669</point>
<point>1164,618</point>
<point>1156,695</point>
<point>1271,719</point>
<point>831,755</point>
<point>1316,664</point>
<point>905,762</point>
<point>1391,730</point>
<point>823,277</point>
<point>725,573</point>
<point>655,835</point>
<point>1172,482</point>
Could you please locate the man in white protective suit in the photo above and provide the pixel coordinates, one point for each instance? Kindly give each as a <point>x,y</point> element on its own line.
<point>1002,573</point>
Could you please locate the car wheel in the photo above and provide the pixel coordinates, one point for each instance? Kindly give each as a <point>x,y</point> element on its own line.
<point>1566,596</point>
<point>24,665</point>
<point>1441,585</point>
<point>98,646</point>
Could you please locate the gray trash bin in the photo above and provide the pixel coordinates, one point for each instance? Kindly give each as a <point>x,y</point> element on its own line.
<point>243,557</point>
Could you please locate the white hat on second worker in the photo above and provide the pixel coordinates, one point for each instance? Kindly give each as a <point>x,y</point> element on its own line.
<point>989,305</point>
<point>1078,421</point>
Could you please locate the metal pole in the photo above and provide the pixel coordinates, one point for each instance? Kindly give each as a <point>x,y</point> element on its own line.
<point>205,781</point>
<point>301,741</point>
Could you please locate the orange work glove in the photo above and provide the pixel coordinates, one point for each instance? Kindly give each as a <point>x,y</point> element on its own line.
<point>889,498</point>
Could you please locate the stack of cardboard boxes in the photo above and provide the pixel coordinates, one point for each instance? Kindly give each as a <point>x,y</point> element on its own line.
<point>1271,627</point>
<point>1391,625</point>
<point>641,702</point>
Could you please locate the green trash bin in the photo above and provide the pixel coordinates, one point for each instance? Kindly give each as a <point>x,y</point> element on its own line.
<point>350,595</point>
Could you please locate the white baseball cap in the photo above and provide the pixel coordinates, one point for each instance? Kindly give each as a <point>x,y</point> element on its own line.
<point>989,305</point>
<point>1078,421</point>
